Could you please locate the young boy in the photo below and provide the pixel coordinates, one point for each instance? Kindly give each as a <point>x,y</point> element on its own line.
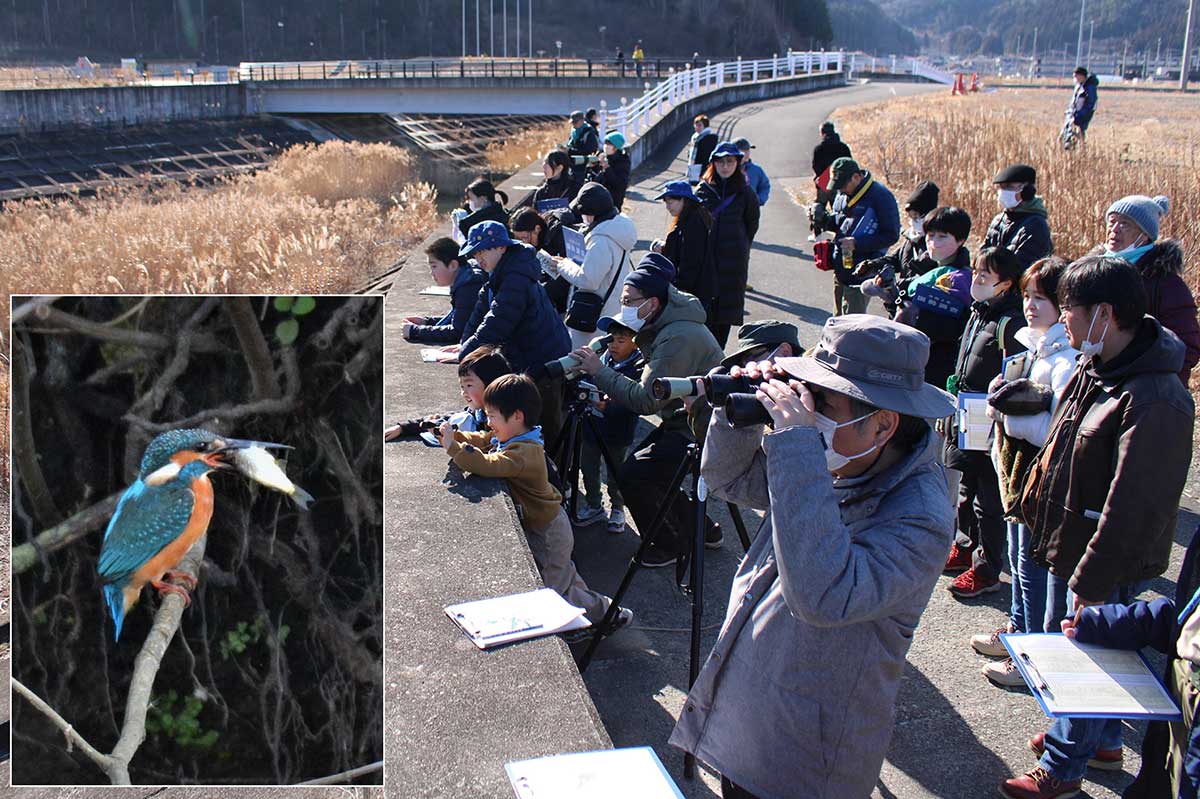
<point>464,279</point>
<point>616,428</point>
<point>514,451</point>
<point>475,373</point>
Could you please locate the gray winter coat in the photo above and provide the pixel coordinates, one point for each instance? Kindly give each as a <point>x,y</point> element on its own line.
<point>797,697</point>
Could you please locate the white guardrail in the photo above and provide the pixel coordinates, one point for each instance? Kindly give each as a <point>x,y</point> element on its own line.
<point>897,65</point>
<point>631,119</point>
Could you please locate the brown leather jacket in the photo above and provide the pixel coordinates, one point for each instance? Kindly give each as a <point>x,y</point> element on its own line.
<point>1102,497</point>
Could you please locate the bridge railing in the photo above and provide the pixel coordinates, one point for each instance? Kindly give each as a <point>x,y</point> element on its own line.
<point>633,118</point>
<point>457,68</point>
<point>864,64</point>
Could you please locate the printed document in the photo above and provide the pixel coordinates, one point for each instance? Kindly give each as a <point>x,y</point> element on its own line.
<point>635,772</point>
<point>504,619</point>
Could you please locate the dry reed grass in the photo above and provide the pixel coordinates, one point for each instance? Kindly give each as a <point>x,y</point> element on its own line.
<point>1139,143</point>
<point>526,147</point>
<point>321,219</point>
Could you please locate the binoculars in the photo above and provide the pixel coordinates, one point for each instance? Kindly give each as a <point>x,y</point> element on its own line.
<point>568,363</point>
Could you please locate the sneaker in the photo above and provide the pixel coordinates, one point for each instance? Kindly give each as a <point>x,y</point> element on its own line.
<point>1104,759</point>
<point>588,514</point>
<point>1003,673</point>
<point>990,644</point>
<point>624,619</point>
<point>959,560</point>
<point>616,521</point>
<point>656,557</point>
<point>749,287</point>
<point>970,584</point>
<point>1039,784</point>
<point>713,537</point>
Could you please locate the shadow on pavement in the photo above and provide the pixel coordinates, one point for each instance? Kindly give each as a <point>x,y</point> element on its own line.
<point>814,316</point>
<point>782,249</point>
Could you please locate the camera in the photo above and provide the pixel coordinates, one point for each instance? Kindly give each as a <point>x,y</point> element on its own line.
<point>718,387</point>
<point>669,388</point>
<point>568,363</point>
<point>586,392</point>
<point>818,217</point>
<point>744,410</point>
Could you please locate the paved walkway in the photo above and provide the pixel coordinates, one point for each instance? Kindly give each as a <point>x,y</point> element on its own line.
<point>956,735</point>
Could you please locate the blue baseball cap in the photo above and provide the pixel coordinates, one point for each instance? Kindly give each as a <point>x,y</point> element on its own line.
<point>724,149</point>
<point>678,188</point>
<point>485,236</point>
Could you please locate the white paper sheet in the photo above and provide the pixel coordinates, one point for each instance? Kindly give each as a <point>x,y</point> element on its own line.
<point>634,773</point>
<point>974,427</point>
<point>503,619</point>
<point>1085,679</point>
<point>435,291</point>
<point>432,355</point>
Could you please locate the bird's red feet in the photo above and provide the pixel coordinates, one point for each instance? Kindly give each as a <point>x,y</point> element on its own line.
<point>189,582</point>
<point>165,588</point>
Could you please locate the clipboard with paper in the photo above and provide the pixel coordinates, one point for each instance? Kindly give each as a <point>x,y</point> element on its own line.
<point>1088,681</point>
<point>505,619</point>
<point>974,427</point>
<point>634,772</point>
<point>573,242</point>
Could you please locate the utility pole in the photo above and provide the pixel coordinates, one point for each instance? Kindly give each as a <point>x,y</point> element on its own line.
<point>477,52</point>
<point>1091,33</point>
<point>342,28</point>
<point>1079,43</point>
<point>504,13</point>
<point>1158,54</point>
<point>491,28</point>
<point>518,28</point>
<point>530,28</point>
<point>1124,59</point>
<point>464,27</point>
<point>245,39</point>
<point>1186,66</point>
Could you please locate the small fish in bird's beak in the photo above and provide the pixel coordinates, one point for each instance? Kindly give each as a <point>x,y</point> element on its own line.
<point>252,459</point>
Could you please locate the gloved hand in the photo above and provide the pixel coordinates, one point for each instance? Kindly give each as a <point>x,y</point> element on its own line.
<point>1021,398</point>
<point>872,289</point>
<point>867,269</point>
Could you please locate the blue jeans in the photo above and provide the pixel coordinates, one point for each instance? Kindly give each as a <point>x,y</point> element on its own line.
<point>1070,743</point>
<point>1030,585</point>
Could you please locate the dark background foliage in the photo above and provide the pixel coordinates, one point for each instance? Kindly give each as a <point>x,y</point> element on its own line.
<point>275,675</point>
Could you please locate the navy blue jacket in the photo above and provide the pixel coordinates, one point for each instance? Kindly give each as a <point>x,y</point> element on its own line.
<point>514,313</point>
<point>869,244</point>
<point>1153,624</point>
<point>448,329</point>
<point>618,423</point>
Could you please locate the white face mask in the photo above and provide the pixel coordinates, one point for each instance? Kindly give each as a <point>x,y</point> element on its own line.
<point>1009,198</point>
<point>1090,349</point>
<point>827,428</point>
<point>475,203</point>
<point>916,228</point>
<point>629,316</point>
<point>982,293</point>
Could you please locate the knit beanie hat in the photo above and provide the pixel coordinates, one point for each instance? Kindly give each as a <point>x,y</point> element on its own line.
<point>653,275</point>
<point>1144,211</point>
<point>923,199</point>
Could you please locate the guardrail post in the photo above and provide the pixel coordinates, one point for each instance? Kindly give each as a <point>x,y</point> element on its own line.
<point>671,85</point>
<point>853,59</point>
<point>774,65</point>
<point>841,60</point>
<point>603,119</point>
<point>646,105</point>
<point>661,96</point>
<point>791,63</point>
<point>739,69</point>
<point>589,66</point>
<point>622,122</point>
<point>707,65</point>
<point>893,65</point>
<point>754,72</point>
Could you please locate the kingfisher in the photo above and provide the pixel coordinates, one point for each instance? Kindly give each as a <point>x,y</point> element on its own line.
<point>160,516</point>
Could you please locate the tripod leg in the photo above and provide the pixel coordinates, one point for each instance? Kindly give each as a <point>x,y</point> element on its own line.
<point>605,626</point>
<point>576,459</point>
<point>740,524</point>
<point>701,491</point>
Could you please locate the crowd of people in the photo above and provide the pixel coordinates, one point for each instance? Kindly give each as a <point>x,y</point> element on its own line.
<point>869,486</point>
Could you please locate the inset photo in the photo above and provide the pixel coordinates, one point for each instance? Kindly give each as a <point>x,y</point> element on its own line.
<point>197,546</point>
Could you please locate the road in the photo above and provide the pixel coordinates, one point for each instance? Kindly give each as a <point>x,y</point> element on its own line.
<point>956,735</point>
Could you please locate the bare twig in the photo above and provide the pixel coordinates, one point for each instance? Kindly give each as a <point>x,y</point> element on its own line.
<point>120,335</point>
<point>368,355</point>
<point>26,308</point>
<point>346,776</point>
<point>73,738</point>
<point>145,669</point>
<point>348,311</point>
<point>153,399</point>
<point>339,464</point>
<point>67,532</point>
<point>254,347</point>
<point>25,453</point>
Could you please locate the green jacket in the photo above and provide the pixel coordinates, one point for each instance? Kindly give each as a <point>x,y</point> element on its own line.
<point>675,344</point>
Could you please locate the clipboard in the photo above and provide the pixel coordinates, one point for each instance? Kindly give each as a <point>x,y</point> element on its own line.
<point>1102,682</point>
<point>574,244</point>
<point>974,428</point>
<point>517,617</point>
<point>635,772</point>
<point>544,206</point>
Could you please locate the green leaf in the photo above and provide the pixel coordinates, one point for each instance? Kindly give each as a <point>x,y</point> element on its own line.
<point>303,306</point>
<point>284,304</point>
<point>284,631</point>
<point>287,332</point>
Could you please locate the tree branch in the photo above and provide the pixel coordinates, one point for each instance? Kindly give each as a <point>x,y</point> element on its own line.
<point>73,738</point>
<point>67,532</point>
<point>254,347</point>
<point>145,669</point>
<point>29,468</point>
<point>153,399</point>
<point>346,776</point>
<point>119,335</point>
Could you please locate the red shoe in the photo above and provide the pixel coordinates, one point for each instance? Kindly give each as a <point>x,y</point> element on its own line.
<point>1039,784</point>
<point>959,560</point>
<point>971,583</point>
<point>1104,759</point>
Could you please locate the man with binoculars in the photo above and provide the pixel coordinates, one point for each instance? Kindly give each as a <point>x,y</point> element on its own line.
<point>669,330</point>
<point>797,697</point>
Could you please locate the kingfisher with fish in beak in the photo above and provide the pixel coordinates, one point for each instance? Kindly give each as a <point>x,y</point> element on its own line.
<point>168,508</point>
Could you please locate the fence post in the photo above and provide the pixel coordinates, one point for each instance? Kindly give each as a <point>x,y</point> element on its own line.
<point>603,119</point>
<point>661,95</point>
<point>754,72</point>
<point>841,60</point>
<point>852,65</point>
<point>791,63</point>
<point>646,105</point>
<point>774,65</point>
<point>739,69</point>
<point>622,122</point>
<point>893,65</point>
<point>671,86</point>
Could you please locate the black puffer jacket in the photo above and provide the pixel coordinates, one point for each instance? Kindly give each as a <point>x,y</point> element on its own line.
<point>732,234</point>
<point>562,187</point>
<point>615,176</point>
<point>830,149</point>
<point>687,247</point>
<point>492,212</point>
<point>981,356</point>
<point>1023,231</point>
<point>514,313</point>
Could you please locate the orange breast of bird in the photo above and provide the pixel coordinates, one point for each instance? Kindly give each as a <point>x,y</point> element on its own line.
<point>169,556</point>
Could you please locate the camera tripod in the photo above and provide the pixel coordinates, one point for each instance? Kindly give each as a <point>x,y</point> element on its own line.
<point>691,565</point>
<point>568,450</point>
